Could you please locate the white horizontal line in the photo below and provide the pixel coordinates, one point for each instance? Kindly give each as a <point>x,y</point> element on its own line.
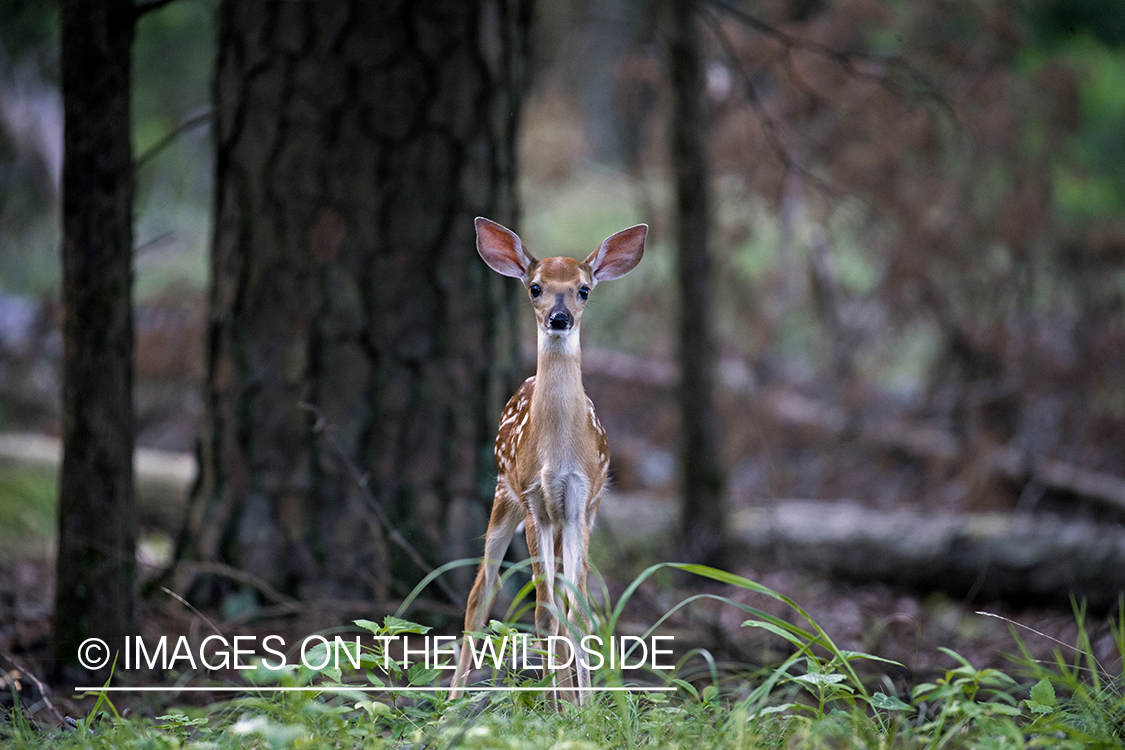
<point>346,689</point>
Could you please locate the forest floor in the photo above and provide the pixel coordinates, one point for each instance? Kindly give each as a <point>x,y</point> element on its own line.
<point>767,462</point>
<point>908,627</point>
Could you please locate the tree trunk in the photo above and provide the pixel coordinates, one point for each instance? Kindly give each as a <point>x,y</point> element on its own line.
<point>702,515</point>
<point>95,594</point>
<point>356,142</point>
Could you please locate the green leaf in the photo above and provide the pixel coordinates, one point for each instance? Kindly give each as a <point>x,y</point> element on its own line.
<point>724,577</point>
<point>994,677</point>
<point>322,654</point>
<point>545,681</point>
<point>346,654</point>
<point>395,625</point>
<point>1039,708</point>
<point>374,707</point>
<point>503,629</point>
<point>1043,693</point>
<point>957,657</point>
<point>922,689</point>
<point>849,655</point>
<point>420,675</point>
<point>815,678</point>
<point>888,702</point>
<point>374,627</point>
<point>776,630</point>
<point>1003,708</point>
<point>775,709</point>
<point>686,686</point>
<point>182,720</point>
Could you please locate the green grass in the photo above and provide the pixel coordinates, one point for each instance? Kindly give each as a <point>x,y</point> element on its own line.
<point>28,505</point>
<point>819,696</point>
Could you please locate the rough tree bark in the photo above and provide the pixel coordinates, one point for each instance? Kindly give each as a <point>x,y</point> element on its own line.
<point>95,594</point>
<point>356,142</point>
<point>702,515</point>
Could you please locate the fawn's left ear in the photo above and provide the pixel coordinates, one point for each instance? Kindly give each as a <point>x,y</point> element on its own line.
<point>618,254</point>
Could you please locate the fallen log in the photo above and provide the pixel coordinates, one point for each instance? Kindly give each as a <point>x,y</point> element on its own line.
<point>913,438</point>
<point>985,556</point>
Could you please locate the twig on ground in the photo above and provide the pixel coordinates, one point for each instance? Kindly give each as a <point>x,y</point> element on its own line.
<point>192,607</point>
<point>43,689</point>
<point>245,577</point>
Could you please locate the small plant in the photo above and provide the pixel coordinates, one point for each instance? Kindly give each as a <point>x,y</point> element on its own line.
<point>1075,696</point>
<point>967,697</point>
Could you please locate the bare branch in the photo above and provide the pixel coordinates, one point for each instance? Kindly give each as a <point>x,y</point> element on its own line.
<point>149,245</point>
<point>847,59</point>
<point>770,125</point>
<point>203,118</point>
<point>141,9</point>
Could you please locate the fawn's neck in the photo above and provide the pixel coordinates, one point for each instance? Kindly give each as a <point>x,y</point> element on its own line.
<point>559,399</point>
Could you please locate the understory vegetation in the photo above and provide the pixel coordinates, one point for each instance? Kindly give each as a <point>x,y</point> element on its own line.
<point>819,696</point>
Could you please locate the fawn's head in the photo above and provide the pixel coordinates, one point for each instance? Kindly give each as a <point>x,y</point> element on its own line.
<point>559,287</point>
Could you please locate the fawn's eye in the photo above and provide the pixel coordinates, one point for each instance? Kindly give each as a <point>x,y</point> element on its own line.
<point>584,293</point>
<point>535,290</point>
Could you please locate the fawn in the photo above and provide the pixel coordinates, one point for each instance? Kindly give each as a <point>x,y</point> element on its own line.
<point>552,456</point>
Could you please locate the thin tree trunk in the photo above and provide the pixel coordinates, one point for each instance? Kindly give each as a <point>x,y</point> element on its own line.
<point>95,595</point>
<point>702,515</point>
<point>356,142</point>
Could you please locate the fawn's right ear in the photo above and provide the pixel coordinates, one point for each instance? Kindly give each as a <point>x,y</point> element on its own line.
<point>502,249</point>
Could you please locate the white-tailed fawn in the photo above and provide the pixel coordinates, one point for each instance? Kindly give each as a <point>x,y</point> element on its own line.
<point>552,456</point>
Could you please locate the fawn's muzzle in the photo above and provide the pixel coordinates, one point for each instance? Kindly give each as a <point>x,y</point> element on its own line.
<point>559,320</point>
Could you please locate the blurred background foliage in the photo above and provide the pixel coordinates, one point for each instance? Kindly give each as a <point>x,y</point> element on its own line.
<point>918,220</point>
<point>173,59</point>
<point>919,200</point>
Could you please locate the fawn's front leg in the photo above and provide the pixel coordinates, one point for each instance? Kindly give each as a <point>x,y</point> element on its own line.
<point>575,554</point>
<point>506,516</point>
<point>543,541</point>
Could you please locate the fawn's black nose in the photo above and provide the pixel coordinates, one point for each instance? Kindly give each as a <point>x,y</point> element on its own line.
<point>559,320</point>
